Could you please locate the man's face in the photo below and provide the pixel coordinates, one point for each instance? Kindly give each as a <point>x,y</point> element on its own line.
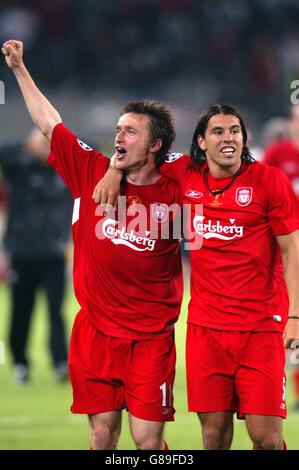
<point>294,121</point>
<point>223,142</point>
<point>132,142</point>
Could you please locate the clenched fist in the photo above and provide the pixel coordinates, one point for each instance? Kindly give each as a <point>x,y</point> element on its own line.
<point>13,51</point>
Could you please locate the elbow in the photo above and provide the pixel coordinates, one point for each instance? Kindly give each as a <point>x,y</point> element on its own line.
<point>47,128</point>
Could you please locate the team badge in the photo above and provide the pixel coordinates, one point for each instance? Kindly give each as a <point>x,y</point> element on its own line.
<point>193,194</point>
<point>243,196</point>
<point>84,145</point>
<point>131,202</point>
<point>172,157</point>
<point>159,211</point>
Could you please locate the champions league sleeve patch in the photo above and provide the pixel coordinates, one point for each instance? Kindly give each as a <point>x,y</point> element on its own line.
<point>172,157</point>
<point>84,146</point>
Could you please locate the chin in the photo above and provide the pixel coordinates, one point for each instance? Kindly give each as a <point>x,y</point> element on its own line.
<point>231,162</point>
<point>120,165</point>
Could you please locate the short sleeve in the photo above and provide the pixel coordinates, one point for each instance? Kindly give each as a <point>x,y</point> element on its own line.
<point>283,204</point>
<point>79,165</point>
<point>175,166</point>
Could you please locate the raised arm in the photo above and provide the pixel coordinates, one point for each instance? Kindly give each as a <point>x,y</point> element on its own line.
<point>43,114</point>
<point>289,245</point>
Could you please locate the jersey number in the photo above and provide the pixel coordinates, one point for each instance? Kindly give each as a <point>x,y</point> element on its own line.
<point>163,389</point>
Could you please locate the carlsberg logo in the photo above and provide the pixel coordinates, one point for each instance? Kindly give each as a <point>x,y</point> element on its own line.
<point>211,229</point>
<point>130,239</point>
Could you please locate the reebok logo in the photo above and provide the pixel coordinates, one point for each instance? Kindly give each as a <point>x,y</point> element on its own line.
<point>209,229</point>
<point>193,194</point>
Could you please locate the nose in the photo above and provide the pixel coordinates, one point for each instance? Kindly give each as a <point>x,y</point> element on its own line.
<point>228,136</point>
<point>119,137</point>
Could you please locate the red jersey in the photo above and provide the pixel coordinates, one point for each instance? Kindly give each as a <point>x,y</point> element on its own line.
<point>284,155</point>
<point>236,276</point>
<point>129,284</point>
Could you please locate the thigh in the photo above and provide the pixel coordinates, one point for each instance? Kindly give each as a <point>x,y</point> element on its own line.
<point>217,429</point>
<point>210,371</point>
<point>95,386</point>
<point>151,373</point>
<point>261,380</point>
<point>104,430</point>
<point>110,420</point>
<point>261,426</point>
<point>144,430</point>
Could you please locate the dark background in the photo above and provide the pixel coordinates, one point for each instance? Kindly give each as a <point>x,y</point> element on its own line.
<point>92,56</point>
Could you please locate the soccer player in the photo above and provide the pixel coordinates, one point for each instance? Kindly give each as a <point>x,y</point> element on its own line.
<point>127,282</point>
<point>284,154</point>
<point>240,315</point>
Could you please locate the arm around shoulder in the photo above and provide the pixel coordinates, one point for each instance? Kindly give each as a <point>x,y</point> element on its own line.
<point>108,188</point>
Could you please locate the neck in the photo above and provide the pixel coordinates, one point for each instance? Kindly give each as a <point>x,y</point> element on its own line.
<point>147,174</point>
<point>223,172</point>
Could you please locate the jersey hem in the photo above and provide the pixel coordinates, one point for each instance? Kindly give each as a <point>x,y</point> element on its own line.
<point>253,328</point>
<point>128,335</point>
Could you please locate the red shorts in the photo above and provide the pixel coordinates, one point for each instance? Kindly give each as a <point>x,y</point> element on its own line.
<point>110,373</point>
<point>237,371</point>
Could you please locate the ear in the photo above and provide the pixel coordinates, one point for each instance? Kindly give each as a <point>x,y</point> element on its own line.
<point>155,147</point>
<point>201,142</point>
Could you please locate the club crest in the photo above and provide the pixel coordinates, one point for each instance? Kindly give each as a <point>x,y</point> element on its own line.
<point>243,196</point>
<point>159,211</point>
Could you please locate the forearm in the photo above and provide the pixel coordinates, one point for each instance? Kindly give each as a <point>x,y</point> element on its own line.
<point>108,188</point>
<point>43,114</point>
<point>291,276</point>
<point>289,245</point>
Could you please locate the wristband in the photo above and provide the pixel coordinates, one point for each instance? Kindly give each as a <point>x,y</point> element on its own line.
<point>293,317</point>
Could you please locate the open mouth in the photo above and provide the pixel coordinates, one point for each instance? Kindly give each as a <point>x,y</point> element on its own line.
<point>120,153</point>
<point>228,151</point>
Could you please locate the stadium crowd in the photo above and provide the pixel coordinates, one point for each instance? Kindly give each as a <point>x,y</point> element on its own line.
<point>144,43</point>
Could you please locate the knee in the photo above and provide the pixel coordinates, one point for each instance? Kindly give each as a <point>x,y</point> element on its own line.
<point>212,437</point>
<point>215,438</point>
<point>271,441</point>
<point>150,443</point>
<point>102,437</point>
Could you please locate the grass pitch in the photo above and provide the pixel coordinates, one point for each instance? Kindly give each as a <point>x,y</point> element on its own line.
<point>37,416</point>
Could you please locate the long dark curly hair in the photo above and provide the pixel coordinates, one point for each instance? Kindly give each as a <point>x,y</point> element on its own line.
<point>198,156</point>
